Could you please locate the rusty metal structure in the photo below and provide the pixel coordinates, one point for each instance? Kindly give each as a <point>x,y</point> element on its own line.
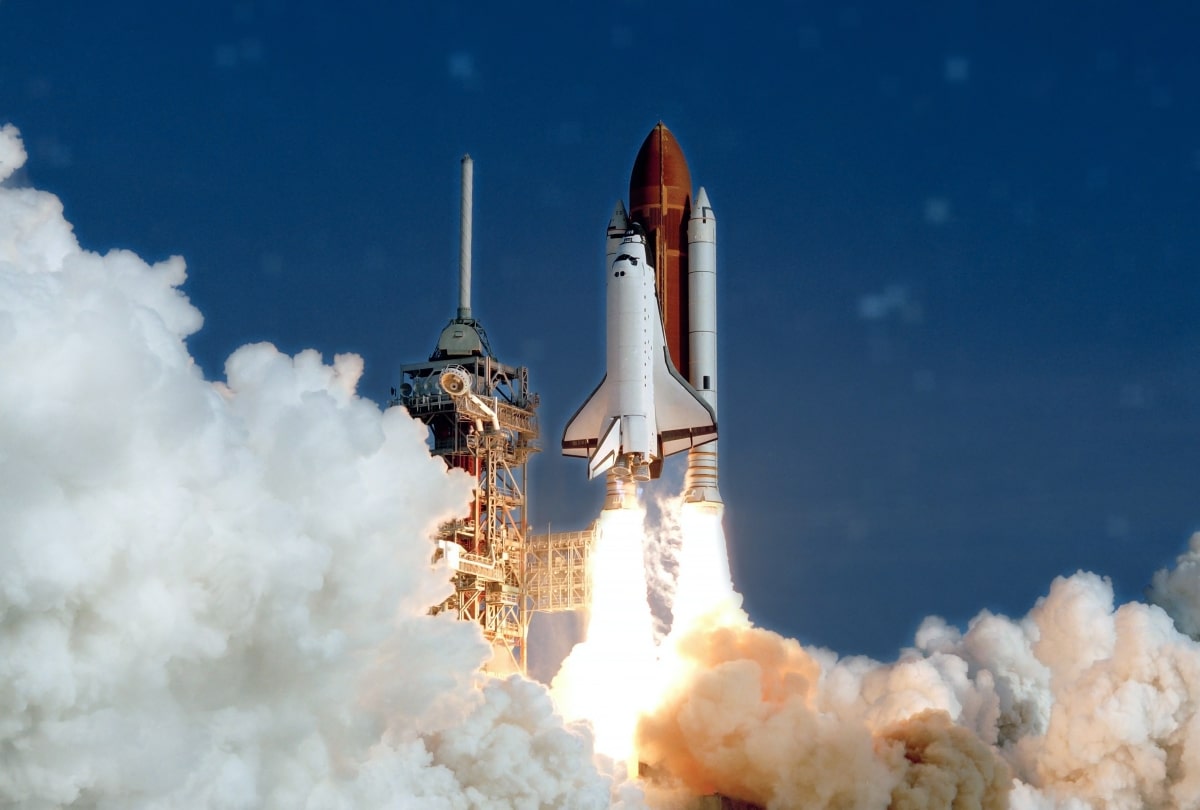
<point>482,419</point>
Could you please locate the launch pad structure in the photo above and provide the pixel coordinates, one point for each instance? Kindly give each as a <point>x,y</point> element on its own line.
<point>482,418</point>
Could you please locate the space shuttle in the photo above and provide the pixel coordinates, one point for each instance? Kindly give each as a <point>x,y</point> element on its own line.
<point>643,410</point>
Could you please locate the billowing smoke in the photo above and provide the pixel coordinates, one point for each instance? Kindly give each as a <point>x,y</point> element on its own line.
<point>759,718</point>
<point>1080,704</point>
<point>215,594</point>
<point>1177,590</point>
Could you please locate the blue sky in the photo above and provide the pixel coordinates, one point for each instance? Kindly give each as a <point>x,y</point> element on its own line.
<point>958,247</point>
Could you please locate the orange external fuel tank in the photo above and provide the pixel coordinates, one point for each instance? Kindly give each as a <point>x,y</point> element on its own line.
<point>660,191</point>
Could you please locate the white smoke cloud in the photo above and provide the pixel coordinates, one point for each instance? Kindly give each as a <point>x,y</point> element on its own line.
<point>215,594</point>
<point>662,545</point>
<point>1177,590</point>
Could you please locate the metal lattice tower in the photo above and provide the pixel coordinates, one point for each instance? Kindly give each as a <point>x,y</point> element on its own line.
<point>481,416</point>
<point>482,419</point>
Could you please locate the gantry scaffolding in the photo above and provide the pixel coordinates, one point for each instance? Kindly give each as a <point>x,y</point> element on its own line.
<point>556,571</point>
<point>482,419</point>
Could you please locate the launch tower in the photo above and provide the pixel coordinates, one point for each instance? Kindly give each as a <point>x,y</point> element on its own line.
<point>482,419</point>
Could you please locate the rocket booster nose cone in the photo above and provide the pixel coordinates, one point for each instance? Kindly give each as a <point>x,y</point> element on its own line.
<point>701,207</point>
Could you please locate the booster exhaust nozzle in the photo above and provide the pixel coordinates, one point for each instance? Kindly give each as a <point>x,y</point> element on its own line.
<point>700,481</point>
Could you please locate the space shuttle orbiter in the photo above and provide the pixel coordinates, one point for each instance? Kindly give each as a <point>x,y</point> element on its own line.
<point>643,410</point>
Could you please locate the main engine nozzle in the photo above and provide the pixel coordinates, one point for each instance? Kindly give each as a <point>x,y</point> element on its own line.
<point>632,466</point>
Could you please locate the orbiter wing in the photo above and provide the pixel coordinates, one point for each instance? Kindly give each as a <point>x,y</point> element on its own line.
<point>684,419</point>
<point>582,433</point>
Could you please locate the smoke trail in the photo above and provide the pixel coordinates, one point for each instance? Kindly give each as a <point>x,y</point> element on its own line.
<point>215,594</point>
<point>661,554</point>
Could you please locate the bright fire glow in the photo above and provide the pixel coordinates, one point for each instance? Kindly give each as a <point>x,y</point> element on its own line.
<point>704,594</point>
<point>608,679</point>
<point>704,589</point>
<point>615,675</point>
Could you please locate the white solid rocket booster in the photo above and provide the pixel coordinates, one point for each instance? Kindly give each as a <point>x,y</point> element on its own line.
<point>700,483</point>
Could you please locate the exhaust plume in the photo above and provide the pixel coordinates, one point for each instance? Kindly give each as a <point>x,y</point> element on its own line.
<point>607,679</point>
